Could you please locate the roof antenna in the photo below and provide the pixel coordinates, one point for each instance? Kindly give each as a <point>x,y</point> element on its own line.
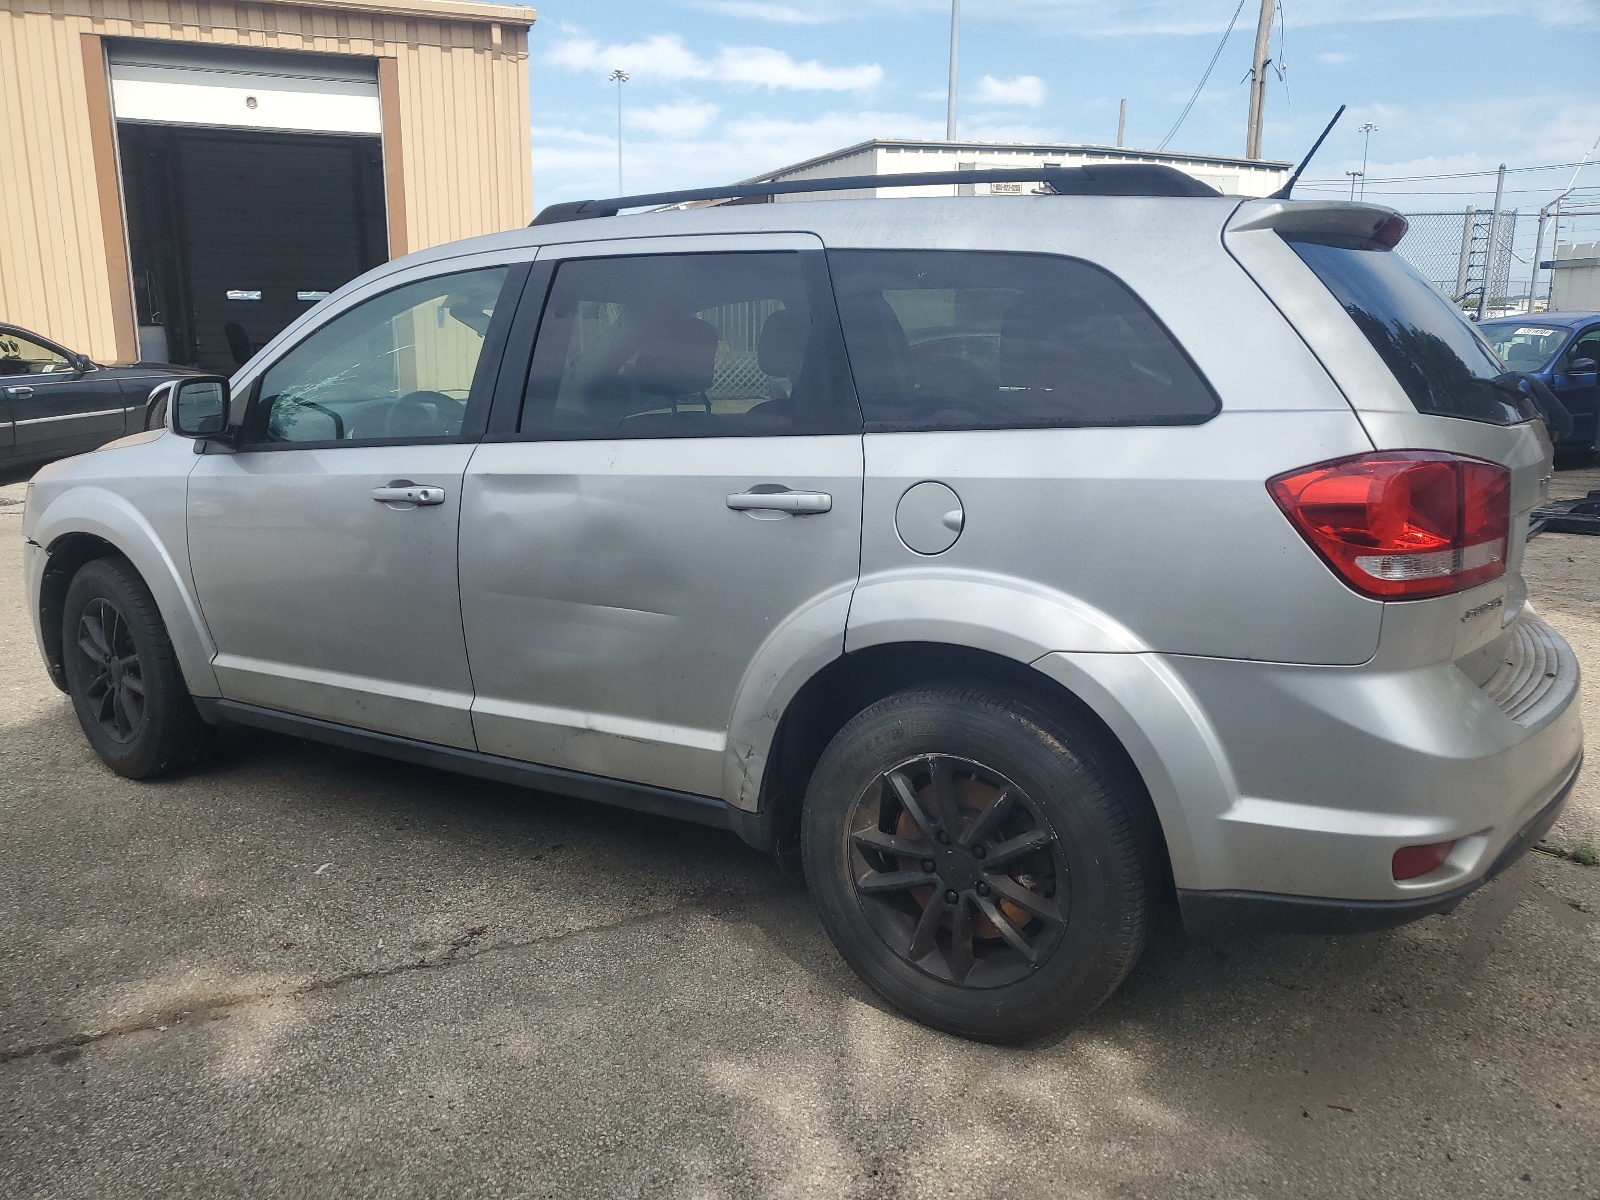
<point>1283,192</point>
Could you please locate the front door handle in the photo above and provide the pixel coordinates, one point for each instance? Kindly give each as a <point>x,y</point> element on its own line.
<point>784,501</point>
<point>19,393</point>
<point>403,492</point>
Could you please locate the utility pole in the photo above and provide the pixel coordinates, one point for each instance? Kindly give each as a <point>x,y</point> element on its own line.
<point>1555,231</point>
<point>955,47</point>
<point>1122,121</point>
<point>1494,234</point>
<point>1367,131</point>
<point>618,77</point>
<point>1258,80</point>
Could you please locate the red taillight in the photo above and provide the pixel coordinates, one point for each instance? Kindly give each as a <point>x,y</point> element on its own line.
<point>1405,524</point>
<point>1412,861</point>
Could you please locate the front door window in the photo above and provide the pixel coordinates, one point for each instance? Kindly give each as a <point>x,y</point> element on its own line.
<point>401,365</point>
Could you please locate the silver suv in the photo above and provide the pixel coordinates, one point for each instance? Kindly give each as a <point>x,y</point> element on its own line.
<point>1014,564</point>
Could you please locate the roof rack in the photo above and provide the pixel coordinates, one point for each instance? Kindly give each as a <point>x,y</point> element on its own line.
<point>1102,179</point>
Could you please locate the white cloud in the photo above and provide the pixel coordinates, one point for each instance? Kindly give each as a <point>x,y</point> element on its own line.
<point>666,57</point>
<point>1027,90</point>
<point>686,118</point>
<point>759,10</point>
<point>1333,56</point>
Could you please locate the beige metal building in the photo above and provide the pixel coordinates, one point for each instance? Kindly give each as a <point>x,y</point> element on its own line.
<point>179,180</point>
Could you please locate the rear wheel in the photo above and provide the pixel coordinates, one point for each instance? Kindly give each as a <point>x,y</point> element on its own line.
<point>975,858</point>
<point>123,676</point>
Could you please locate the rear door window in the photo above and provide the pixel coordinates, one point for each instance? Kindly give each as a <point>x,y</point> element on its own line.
<point>956,339</point>
<point>1440,361</point>
<point>733,344</point>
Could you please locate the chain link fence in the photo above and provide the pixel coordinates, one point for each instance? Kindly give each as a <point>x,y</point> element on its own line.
<point>1464,254</point>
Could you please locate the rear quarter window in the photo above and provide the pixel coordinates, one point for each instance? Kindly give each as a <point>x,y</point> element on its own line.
<point>1440,361</point>
<point>956,339</point>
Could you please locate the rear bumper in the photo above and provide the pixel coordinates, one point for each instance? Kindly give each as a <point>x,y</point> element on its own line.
<point>1327,771</point>
<point>1219,913</point>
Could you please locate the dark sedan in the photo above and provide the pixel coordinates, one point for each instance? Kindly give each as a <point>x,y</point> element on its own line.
<point>55,402</point>
<point>1562,351</point>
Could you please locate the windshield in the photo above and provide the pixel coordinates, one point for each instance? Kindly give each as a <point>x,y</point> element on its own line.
<point>1441,362</point>
<point>1524,347</point>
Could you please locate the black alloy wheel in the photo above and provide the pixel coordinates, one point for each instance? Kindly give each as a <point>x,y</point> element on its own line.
<point>123,675</point>
<point>987,861</point>
<point>958,871</point>
<point>114,684</point>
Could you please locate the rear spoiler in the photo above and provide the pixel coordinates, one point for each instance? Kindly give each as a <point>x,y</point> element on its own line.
<point>1332,222</point>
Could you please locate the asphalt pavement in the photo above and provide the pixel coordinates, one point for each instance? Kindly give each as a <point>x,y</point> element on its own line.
<point>302,972</point>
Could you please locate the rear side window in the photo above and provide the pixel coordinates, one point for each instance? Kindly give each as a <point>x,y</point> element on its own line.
<point>1446,369</point>
<point>958,339</point>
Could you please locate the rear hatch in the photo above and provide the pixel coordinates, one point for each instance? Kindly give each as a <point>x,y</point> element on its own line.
<point>1420,379</point>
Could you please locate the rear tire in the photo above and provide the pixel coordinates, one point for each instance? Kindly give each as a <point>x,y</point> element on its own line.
<point>977,859</point>
<point>123,675</point>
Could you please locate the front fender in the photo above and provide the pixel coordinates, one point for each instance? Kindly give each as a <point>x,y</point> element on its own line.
<point>105,514</point>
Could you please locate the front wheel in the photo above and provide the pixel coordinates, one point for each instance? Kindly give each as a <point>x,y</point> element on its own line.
<point>123,676</point>
<point>976,859</point>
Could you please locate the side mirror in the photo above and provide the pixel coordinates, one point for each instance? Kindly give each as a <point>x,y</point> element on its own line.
<point>80,363</point>
<point>1582,366</point>
<point>197,407</point>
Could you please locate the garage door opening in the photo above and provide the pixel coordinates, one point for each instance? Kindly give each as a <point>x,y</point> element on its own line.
<point>253,186</point>
<point>234,235</point>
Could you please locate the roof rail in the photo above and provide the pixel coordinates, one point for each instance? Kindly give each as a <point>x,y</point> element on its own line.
<point>1102,179</point>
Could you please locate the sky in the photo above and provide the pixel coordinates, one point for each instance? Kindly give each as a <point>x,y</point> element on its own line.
<point>723,89</point>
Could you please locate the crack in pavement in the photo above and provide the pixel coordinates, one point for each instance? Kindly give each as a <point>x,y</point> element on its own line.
<point>463,949</point>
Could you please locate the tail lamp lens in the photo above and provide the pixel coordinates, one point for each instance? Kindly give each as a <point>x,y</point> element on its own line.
<point>1403,525</point>
<point>1413,861</point>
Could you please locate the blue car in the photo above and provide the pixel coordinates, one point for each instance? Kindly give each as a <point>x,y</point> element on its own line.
<point>1562,350</point>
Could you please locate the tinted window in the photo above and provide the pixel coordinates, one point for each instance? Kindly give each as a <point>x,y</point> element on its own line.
<point>687,345</point>
<point>1444,366</point>
<point>946,339</point>
<point>400,365</point>
<point>1524,346</point>
<point>20,356</point>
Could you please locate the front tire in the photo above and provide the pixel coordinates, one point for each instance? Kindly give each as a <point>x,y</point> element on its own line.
<point>123,675</point>
<point>977,860</point>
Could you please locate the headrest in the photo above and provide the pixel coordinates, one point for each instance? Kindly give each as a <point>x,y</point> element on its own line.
<point>781,348</point>
<point>1031,345</point>
<point>677,357</point>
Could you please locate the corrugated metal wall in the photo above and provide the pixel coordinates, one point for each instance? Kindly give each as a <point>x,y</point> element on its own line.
<point>465,137</point>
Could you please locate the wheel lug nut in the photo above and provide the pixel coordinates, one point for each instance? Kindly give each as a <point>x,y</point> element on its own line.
<point>942,838</point>
<point>978,852</point>
<point>983,889</point>
<point>929,865</point>
<point>951,896</point>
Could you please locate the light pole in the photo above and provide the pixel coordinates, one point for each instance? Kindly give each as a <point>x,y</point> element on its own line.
<point>1367,131</point>
<point>955,46</point>
<point>618,77</point>
<point>1355,175</point>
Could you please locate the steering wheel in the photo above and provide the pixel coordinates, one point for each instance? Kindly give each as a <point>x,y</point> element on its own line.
<point>417,414</point>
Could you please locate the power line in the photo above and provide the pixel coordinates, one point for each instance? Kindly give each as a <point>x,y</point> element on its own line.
<point>1330,185</point>
<point>1449,175</point>
<point>1171,133</point>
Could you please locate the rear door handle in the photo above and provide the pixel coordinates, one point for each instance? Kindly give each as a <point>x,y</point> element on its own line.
<point>400,492</point>
<point>19,393</point>
<point>783,501</point>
